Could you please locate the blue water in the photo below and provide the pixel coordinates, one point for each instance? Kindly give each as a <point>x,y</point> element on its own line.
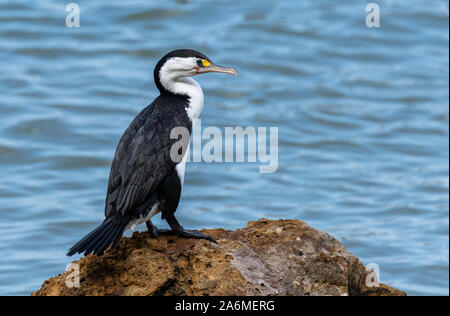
<point>363,118</point>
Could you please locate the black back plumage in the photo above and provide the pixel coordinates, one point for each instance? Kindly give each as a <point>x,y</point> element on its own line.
<point>142,158</point>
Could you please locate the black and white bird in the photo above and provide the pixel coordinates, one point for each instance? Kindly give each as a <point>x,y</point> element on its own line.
<point>144,179</point>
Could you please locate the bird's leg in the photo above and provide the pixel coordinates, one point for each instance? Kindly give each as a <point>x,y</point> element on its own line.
<point>178,230</point>
<point>154,232</point>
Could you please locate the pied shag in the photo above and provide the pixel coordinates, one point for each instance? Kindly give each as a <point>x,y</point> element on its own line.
<point>144,179</point>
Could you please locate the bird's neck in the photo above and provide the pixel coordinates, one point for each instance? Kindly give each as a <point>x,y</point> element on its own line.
<point>190,88</point>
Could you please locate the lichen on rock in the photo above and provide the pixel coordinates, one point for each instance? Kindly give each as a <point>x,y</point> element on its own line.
<point>282,257</point>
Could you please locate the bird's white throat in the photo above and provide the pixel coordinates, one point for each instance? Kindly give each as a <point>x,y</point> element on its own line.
<point>175,77</point>
<point>189,87</point>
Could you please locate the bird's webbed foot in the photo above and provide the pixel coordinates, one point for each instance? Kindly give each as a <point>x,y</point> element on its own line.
<point>186,234</point>
<point>176,230</point>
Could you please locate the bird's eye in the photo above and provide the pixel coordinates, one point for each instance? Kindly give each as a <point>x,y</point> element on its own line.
<point>203,63</point>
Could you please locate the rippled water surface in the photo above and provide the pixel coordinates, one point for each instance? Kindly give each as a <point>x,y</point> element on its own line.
<point>363,118</point>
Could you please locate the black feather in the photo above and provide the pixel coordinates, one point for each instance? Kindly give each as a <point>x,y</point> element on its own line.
<point>116,233</point>
<point>142,159</point>
<point>104,243</point>
<point>79,246</point>
<point>97,238</point>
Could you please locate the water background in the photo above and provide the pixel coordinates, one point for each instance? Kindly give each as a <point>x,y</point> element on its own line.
<point>363,117</point>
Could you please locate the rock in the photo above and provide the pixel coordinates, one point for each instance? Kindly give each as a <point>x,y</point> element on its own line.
<point>283,257</point>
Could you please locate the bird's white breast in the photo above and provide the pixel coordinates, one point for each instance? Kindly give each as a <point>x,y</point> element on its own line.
<point>196,99</point>
<point>181,167</point>
<point>192,89</point>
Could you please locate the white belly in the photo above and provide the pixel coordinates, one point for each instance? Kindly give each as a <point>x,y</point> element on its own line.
<point>132,224</point>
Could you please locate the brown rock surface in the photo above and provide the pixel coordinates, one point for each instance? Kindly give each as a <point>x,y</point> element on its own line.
<point>283,257</point>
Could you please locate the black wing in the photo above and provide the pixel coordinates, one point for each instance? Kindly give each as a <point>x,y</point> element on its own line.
<point>142,159</point>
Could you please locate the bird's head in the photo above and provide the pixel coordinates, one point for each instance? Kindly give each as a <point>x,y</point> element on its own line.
<point>182,63</point>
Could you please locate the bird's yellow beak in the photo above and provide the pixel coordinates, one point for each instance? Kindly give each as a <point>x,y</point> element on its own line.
<point>210,67</point>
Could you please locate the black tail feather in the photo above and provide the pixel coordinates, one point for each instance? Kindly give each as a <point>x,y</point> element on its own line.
<point>106,241</point>
<point>98,240</point>
<point>117,238</point>
<point>86,239</point>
